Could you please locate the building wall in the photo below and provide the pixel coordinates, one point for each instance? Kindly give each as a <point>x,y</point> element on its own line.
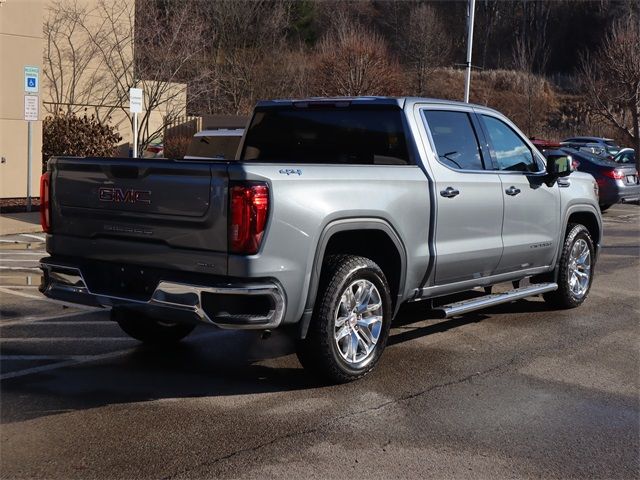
<point>22,42</point>
<point>20,45</point>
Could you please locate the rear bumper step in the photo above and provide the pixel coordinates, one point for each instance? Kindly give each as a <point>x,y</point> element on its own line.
<point>228,305</point>
<point>465,306</point>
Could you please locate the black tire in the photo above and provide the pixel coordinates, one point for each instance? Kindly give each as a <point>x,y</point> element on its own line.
<point>605,207</point>
<point>564,296</point>
<point>320,352</point>
<point>150,330</point>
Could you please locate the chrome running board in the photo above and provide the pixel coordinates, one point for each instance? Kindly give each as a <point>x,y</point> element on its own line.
<point>466,306</point>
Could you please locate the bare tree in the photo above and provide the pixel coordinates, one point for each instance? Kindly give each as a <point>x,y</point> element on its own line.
<point>354,61</point>
<point>425,46</point>
<point>72,81</point>
<point>612,81</point>
<point>489,18</point>
<point>246,54</point>
<point>109,55</point>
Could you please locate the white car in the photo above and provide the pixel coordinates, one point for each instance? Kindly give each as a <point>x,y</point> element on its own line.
<point>218,144</point>
<point>626,155</point>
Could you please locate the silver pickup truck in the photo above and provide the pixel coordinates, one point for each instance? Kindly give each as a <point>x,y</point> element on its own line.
<point>334,213</point>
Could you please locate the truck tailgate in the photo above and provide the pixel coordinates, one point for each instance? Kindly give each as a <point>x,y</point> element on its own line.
<point>133,206</point>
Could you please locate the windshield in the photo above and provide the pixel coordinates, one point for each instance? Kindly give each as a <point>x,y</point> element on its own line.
<point>326,134</point>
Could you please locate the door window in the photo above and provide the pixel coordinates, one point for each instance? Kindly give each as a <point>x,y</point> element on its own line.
<point>455,139</point>
<point>511,152</point>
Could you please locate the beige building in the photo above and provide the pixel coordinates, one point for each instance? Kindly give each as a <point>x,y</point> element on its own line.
<point>20,46</point>
<point>62,39</point>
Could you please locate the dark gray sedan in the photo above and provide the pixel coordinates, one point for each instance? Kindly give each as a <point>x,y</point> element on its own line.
<point>618,183</point>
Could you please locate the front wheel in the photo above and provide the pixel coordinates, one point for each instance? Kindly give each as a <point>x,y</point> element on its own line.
<point>150,330</point>
<point>351,320</point>
<point>575,270</point>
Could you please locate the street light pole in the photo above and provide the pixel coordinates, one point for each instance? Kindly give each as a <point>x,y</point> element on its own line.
<point>470,16</point>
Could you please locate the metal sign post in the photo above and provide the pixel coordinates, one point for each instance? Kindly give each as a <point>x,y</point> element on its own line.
<point>135,107</point>
<point>467,81</point>
<point>31,104</point>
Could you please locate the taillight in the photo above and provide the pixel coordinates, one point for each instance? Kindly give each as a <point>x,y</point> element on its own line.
<point>575,164</point>
<point>615,174</point>
<point>45,209</point>
<point>248,212</point>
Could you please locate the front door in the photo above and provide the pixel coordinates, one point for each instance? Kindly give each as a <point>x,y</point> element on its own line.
<point>468,197</point>
<point>531,208</point>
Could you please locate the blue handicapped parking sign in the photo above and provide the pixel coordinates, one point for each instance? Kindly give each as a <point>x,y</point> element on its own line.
<point>31,82</point>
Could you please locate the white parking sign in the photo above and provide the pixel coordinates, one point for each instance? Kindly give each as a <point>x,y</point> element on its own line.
<point>31,79</point>
<point>135,100</point>
<point>31,108</point>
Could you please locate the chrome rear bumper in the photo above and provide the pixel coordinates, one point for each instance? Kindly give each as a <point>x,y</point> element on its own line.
<point>220,305</point>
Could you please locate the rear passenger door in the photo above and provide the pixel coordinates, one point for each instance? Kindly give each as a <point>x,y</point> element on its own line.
<point>531,208</point>
<point>468,196</point>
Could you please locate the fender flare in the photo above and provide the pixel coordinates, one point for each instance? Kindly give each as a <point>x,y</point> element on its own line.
<point>577,208</point>
<point>582,208</point>
<point>344,225</point>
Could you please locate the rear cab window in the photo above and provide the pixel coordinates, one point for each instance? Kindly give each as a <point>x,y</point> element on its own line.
<point>219,145</point>
<point>327,134</point>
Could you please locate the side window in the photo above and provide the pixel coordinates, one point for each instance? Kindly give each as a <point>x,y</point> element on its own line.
<point>455,139</point>
<point>511,152</point>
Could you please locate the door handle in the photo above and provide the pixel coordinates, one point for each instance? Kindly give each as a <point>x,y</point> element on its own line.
<point>449,192</point>
<point>512,191</point>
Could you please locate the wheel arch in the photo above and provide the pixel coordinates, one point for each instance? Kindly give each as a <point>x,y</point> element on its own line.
<point>383,245</point>
<point>590,219</point>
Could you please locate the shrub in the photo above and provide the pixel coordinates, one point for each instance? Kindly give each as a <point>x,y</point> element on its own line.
<point>353,61</point>
<point>176,145</point>
<point>72,135</point>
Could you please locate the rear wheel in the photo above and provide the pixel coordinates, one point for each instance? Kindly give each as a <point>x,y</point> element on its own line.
<point>351,320</point>
<point>575,270</point>
<point>150,330</point>
<point>605,207</point>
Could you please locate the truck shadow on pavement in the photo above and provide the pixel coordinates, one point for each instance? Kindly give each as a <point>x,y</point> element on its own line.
<point>412,314</point>
<point>211,363</point>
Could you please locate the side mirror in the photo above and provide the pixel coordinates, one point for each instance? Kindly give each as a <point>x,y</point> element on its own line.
<point>559,164</point>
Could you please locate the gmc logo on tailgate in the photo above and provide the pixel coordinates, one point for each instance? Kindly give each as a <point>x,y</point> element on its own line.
<point>119,195</point>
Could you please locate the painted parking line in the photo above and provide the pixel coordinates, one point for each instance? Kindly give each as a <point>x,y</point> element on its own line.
<point>24,269</point>
<point>29,358</point>
<point>44,319</point>
<point>16,260</point>
<point>40,238</point>
<point>65,339</point>
<point>70,362</point>
<point>42,298</point>
<point>19,286</point>
<point>12,253</point>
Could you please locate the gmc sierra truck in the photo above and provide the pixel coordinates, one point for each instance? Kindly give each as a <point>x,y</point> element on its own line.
<point>333,214</point>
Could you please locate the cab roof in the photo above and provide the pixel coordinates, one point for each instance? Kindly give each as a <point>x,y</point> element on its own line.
<point>373,100</point>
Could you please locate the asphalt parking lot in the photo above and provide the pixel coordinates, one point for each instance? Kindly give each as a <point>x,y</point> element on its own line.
<point>514,391</point>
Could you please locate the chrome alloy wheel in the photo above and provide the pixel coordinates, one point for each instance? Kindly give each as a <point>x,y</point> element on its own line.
<point>579,268</point>
<point>358,322</point>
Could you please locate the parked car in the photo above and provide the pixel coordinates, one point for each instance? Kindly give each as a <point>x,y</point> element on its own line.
<point>616,183</point>
<point>221,143</point>
<point>605,147</point>
<point>626,155</point>
<point>155,150</point>
<point>594,149</point>
<point>543,145</point>
<point>336,212</point>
